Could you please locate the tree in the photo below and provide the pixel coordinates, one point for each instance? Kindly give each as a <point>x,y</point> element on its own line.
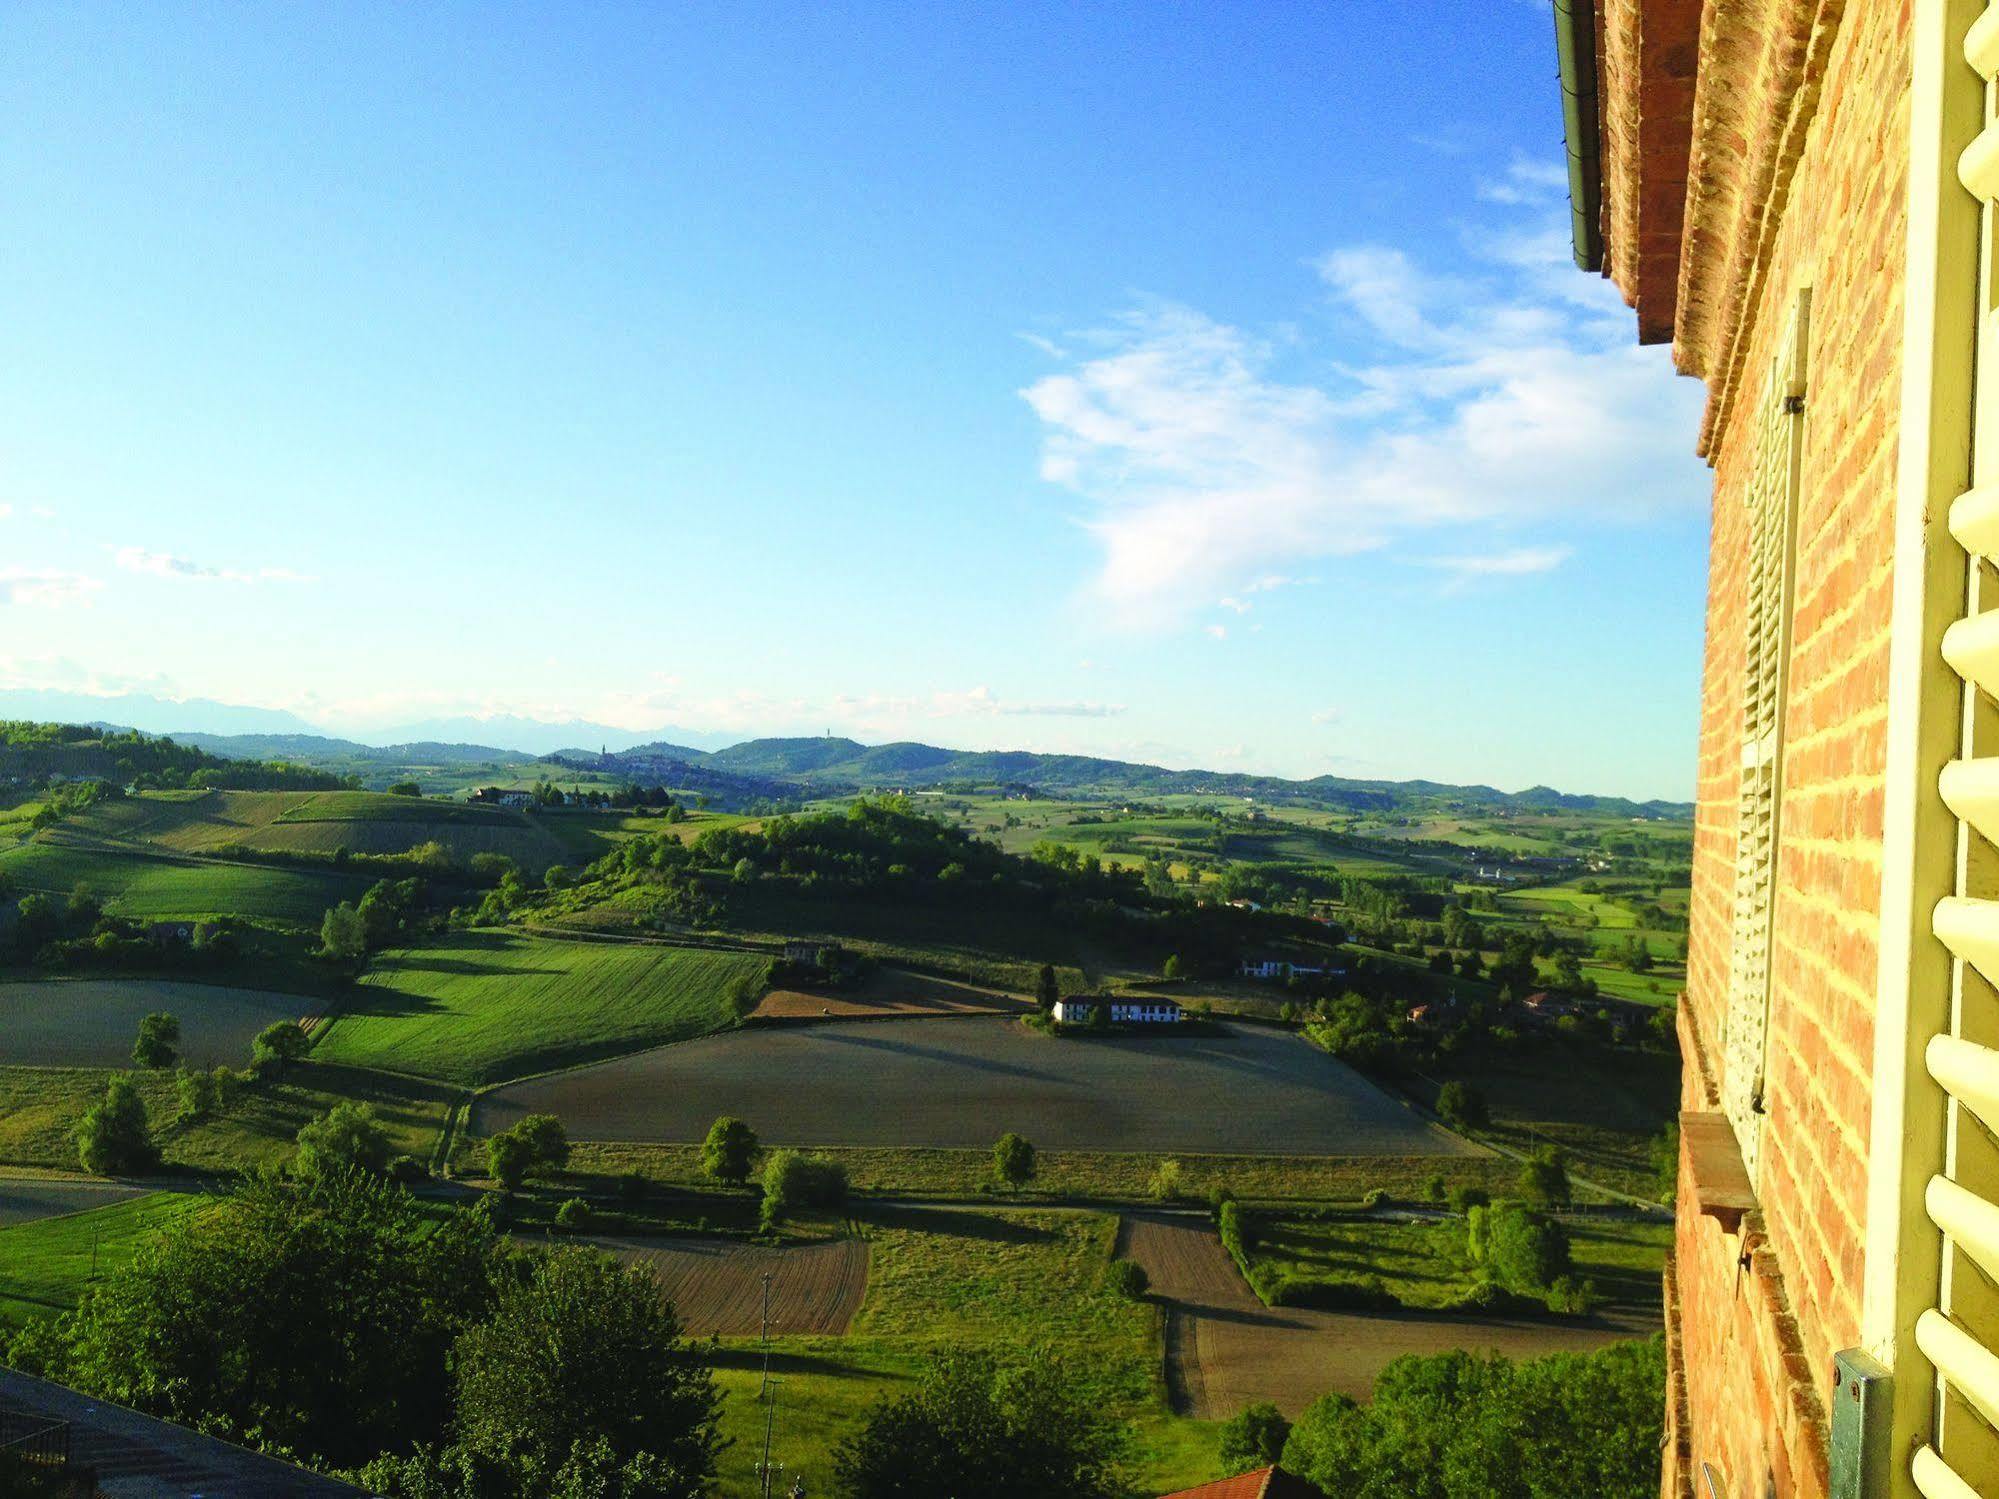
<point>976,1427</point>
<point>159,1040</point>
<point>1046,988</point>
<point>319,1317</point>
<point>1127,1278</point>
<point>547,1141</point>
<point>1254,1437</point>
<point>114,1136</point>
<point>347,1137</point>
<point>1544,1178</point>
<point>793,1180</point>
<point>1176,967</point>
<point>342,933</point>
<point>280,1042</point>
<point>583,1351</point>
<point>199,1093</point>
<point>1165,1183</point>
<point>508,1159</point>
<point>1462,1106</point>
<point>1525,1251</point>
<point>729,1151</point>
<point>406,788</point>
<point>1013,1161</point>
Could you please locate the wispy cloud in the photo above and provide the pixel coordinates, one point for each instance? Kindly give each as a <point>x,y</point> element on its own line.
<point>45,587</point>
<point>1518,562</point>
<point>1506,391</point>
<point>1526,181</point>
<point>168,565</point>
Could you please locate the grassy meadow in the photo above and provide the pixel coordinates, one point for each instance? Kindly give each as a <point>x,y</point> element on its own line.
<point>47,1264</point>
<point>483,1006</point>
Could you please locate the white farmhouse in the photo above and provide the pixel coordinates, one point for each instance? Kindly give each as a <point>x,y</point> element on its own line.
<point>1081,1009</point>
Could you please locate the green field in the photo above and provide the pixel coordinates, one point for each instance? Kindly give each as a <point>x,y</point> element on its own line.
<point>40,1108</point>
<point>153,886</point>
<point>481,1007</point>
<point>46,1265</point>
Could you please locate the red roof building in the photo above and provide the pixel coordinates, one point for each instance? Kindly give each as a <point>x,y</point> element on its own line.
<point>1263,1483</point>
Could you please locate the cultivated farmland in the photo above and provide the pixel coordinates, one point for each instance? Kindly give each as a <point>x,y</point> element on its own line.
<point>962,1082</point>
<point>92,1022</point>
<point>157,886</point>
<point>1225,1349</point>
<point>716,1285</point>
<point>479,1007</point>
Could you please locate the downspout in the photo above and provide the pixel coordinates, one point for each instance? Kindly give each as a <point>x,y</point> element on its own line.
<point>1575,48</point>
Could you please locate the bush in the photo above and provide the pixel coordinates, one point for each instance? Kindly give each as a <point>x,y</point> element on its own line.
<point>1524,1251</point>
<point>1434,1189</point>
<point>1253,1437</point>
<point>114,1136</point>
<point>1464,1199</point>
<point>1462,1106</point>
<point>158,1044</point>
<point>1544,1178</point>
<point>794,1180</point>
<point>1127,1278</point>
<point>199,1094</point>
<point>1374,1197</point>
<point>729,1151</point>
<point>508,1159</point>
<point>408,1171</point>
<point>1013,1161</point>
<point>1166,1180</point>
<point>347,1137</point>
<point>575,1215</point>
<point>547,1141</point>
<point>280,1042</point>
<point>1219,1195</point>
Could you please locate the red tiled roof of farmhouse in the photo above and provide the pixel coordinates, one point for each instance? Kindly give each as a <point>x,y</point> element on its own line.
<point>1262,1483</point>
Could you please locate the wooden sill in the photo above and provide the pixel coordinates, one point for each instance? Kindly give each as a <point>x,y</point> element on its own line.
<point>1714,1160</point>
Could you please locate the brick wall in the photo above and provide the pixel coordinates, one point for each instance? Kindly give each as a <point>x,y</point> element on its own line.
<point>1758,1337</point>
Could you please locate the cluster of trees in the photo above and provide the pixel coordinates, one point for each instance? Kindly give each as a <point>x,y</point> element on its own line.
<point>537,1144</point>
<point>390,912</point>
<point>77,932</point>
<point>333,1319</point>
<point>1467,1426</point>
<point>56,754</point>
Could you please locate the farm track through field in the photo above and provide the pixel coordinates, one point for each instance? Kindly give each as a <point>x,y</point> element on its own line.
<point>716,1285</point>
<point>1226,1349</point>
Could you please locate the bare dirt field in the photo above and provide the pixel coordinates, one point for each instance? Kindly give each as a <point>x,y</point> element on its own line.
<point>892,991</point>
<point>1226,1349</point>
<point>962,1083</point>
<point>717,1285</point>
<point>93,1022</point>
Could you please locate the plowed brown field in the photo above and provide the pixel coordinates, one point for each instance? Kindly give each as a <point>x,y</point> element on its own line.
<point>1225,1349</point>
<point>717,1286</point>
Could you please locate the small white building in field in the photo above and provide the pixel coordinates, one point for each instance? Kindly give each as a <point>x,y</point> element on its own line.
<point>1081,1009</point>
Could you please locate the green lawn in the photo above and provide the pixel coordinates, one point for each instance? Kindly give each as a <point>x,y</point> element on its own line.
<point>480,1007</point>
<point>375,806</point>
<point>46,1265</point>
<point>145,885</point>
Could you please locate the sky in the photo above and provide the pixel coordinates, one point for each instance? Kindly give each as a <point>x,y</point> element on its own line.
<point>1203,384</point>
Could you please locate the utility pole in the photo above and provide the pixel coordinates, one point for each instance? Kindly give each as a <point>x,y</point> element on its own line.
<point>764,1388</point>
<point>766,1474</point>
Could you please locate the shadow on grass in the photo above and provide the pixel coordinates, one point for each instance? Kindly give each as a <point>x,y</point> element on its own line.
<point>956,1223</point>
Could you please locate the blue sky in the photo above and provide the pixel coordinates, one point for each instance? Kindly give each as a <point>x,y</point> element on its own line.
<point>1204,384</point>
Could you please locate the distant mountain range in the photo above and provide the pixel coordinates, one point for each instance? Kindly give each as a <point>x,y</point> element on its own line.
<point>761,769</point>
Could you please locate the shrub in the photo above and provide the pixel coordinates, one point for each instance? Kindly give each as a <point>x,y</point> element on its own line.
<point>1462,1106</point>
<point>1544,1178</point>
<point>575,1215</point>
<point>1523,1250</point>
<point>1374,1197</point>
<point>1434,1189</point>
<point>408,1171</point>
<point>1013,1161</point>
<point>729,1150</point>
<point>1253,1437</point>
<point>508,1159</point>
<point>1218,1195</point>
<point>158,1044</point>
<point>114,1135</point>
<point>794,1180</point>
<point>199,1094</point>
<point>1127,1278</point>
<point>1166,1180</point>
<point>347,1137</point>
<point>1464,1199</point>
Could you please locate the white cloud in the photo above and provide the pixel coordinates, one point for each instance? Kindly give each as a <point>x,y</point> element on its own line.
<point>1229,601</point>
<point>1527,181</point>
<point>45,587</point>
<point>1219,632</point>
<point>6,512</point>
<point>1515,563</point>
<point>1327,715</point>
<point>167,565</point>
<point>1510,390</point>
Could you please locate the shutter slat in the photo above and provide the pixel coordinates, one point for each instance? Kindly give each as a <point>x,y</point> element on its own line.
<point>1961,1359</point>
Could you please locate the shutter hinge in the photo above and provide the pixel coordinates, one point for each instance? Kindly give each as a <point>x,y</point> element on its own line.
<point>1794,405</point>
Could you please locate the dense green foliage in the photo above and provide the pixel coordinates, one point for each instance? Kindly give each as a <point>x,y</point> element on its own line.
<point>1254,1437</point>
<point>729,1151</point>
<point>40,752</point>
<point>793,1180</point>
<point>1460,1426</point>
<point>115,1136</point>
<point>1013,1161</point>
<point>978,1427</point>
<point>345,1139</point>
